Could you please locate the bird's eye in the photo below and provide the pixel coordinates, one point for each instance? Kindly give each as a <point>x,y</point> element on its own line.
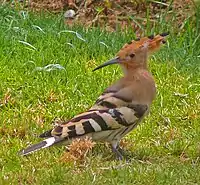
<point>132,55</point>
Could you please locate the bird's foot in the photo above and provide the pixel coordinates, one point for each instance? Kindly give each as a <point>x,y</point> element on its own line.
<point>119,152</point>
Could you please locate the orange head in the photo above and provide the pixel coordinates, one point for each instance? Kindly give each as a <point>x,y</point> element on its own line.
<point>135,53</point>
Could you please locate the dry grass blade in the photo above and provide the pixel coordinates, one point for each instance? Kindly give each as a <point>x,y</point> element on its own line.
<point>113,14</point>
<point>78,150</point>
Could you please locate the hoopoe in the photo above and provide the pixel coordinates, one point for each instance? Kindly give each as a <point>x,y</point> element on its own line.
<point>120,108</point>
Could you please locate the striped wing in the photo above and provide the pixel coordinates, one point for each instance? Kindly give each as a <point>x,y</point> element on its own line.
<point>100,120</point>
<point>113,109</point>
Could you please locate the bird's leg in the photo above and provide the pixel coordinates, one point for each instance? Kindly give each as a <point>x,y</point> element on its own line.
<point>117,153</point>
<point>121,150</point>
<point>117,150</point>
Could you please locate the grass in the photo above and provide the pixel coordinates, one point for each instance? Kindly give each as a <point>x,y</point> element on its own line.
<point>165,149</point>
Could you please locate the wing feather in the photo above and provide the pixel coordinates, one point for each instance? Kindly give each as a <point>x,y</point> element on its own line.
<point>100,120</point>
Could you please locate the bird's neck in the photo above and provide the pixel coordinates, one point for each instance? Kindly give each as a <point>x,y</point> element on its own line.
<point>133,69</point>
<point>142,84</point>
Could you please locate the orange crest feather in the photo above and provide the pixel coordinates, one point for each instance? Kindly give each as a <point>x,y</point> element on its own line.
<point>153,42</point>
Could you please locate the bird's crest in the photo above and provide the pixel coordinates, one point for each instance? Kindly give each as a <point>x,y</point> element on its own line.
<point>137,50</point>
<point>152,43</point>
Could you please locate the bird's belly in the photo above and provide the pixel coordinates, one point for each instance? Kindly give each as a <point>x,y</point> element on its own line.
<point>112,135</point>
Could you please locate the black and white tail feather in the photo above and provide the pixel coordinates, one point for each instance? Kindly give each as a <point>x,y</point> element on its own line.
<point>43,144</point>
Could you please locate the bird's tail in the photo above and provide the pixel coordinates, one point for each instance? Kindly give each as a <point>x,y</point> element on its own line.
<point>43,144</point>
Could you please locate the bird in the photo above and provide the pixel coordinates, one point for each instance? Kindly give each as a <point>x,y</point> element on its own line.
<point>120,108</point>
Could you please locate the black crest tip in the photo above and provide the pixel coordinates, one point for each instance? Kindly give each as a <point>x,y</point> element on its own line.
<point>164,34</point>
<point>137,39</point>
<point>151,37</point>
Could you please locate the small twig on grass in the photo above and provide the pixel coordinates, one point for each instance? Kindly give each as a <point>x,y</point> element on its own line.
<point>50,67</point>
<point>27,44</point>
<point>76,33</point>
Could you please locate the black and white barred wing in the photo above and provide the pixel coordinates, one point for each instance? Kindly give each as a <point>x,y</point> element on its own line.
<point>96,121</point>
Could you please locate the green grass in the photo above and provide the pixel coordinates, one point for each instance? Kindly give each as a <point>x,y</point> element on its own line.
<point>164,149</point>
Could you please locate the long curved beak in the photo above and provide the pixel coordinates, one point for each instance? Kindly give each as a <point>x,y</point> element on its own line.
<point>110,62</point>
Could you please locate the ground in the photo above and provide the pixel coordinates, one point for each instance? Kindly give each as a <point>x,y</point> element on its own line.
<point>112,15</point>
<point>164,149</point>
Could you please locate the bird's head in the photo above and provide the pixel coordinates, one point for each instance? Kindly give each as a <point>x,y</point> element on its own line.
<point>135,53</point>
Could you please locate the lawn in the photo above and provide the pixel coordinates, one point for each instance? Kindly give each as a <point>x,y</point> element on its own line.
<point>164,149</point>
